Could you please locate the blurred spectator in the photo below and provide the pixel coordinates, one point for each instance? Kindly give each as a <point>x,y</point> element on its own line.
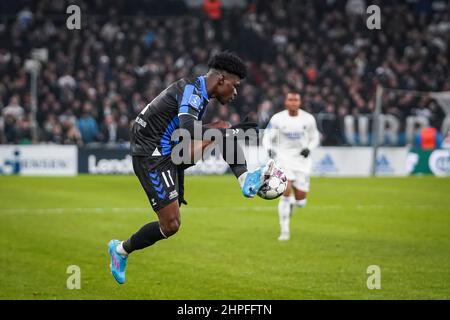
<point>109,130</point>
<point>49,129</point>
<point>11,129</point>
<point>25,18</point>
<point>88,125</point>
<point>356,7</point>
<point>213,9</point>
<point>329,126</point>
<point>14,109</point>
<point>123,130</point>
<point>265,113</point>
<point>72,135</point>
<point>428,139</point>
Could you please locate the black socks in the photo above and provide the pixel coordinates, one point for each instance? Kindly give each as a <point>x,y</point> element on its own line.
<point>233,154</point>
<point>145,237</point>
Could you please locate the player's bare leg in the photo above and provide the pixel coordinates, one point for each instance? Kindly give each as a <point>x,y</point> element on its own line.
<point>300,198</point>
<point>169,219</point>
<point>168,223</point>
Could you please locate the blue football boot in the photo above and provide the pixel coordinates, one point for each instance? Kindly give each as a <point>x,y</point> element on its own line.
<point>118,262</point>
<point>255,179</point>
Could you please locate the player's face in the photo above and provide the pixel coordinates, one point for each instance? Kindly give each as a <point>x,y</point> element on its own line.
<point>227,88</point>
<point>293,101</point>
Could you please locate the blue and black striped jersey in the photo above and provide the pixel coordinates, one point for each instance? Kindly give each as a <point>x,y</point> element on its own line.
<point>153,127</point>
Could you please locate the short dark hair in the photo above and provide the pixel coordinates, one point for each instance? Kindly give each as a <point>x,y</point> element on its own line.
<point>293,91</point>
<point>229,62</point>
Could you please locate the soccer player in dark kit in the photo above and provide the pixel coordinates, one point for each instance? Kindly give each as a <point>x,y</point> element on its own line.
<point>182,105</point>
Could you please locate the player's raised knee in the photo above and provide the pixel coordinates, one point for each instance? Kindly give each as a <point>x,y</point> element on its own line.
<point>170,227</point>
<point>301,203</point>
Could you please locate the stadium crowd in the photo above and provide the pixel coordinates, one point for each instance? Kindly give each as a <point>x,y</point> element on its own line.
<point>98,78</point>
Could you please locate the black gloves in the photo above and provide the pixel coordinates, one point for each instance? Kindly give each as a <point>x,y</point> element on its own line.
<point>240,128</point>
<point>181,199</point>
<point>271,153</point>
<point>305,152</point>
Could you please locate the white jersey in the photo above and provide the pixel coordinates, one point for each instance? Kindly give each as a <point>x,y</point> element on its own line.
<point>288,136</point>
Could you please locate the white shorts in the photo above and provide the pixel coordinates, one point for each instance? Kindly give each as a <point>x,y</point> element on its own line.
<point>300,180</point>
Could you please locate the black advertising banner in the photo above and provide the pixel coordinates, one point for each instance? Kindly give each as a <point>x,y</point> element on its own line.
<point>104,161</point>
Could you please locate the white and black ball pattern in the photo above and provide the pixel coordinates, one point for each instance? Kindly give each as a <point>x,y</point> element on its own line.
<point>274,186</point>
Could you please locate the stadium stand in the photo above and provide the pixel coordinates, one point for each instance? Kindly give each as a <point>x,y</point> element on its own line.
<point>97,79</point>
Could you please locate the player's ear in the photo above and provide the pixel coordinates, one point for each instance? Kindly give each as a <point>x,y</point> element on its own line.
<point>221,78</point>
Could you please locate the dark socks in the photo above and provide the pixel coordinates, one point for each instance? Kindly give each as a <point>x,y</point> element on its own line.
<point>238,169</point>
<point>233,154</point>
<point>145,237</point>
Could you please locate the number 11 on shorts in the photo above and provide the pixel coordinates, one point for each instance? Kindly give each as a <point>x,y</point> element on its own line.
<point>166,180</point>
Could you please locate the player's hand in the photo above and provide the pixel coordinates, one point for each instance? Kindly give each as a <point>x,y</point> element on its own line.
<point>305,152</point>
<point>245,125</point>
<point>271,153</point>
<point>242,130</point>
<point>219,125</point>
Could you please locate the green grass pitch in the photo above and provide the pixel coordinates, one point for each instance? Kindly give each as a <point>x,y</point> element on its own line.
<point>227,246</point>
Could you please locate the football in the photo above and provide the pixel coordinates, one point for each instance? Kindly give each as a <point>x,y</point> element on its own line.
<point>274,186</point>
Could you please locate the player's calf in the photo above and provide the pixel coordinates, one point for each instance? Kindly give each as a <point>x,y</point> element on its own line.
<point>300,197</point>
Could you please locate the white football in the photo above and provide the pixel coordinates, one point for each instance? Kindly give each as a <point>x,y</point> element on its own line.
<point>274,186</point>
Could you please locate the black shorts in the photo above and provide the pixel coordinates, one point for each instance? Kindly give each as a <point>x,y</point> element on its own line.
<point>159,178</point>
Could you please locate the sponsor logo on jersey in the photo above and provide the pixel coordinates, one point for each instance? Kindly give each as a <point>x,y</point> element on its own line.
<point>293,135</point>
<point>140,122</point>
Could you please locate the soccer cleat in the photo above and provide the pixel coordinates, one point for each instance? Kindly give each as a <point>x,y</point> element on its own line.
<point>118,262</point>
<point>255,179</point>
<point>284,237</point>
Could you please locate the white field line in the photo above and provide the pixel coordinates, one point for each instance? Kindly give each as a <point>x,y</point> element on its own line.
<point>212,208</point>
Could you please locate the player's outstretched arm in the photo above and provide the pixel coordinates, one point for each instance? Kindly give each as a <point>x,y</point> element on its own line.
<point>194,127</point>
<point>314,139</point>
<point>250,182</point>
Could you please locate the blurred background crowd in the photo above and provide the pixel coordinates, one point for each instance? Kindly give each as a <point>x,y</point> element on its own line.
<point>94,81</point>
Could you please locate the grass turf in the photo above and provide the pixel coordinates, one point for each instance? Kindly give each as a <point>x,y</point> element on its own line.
<point>227,246</point>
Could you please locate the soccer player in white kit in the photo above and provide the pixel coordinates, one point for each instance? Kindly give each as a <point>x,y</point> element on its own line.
<point>289,138</point>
